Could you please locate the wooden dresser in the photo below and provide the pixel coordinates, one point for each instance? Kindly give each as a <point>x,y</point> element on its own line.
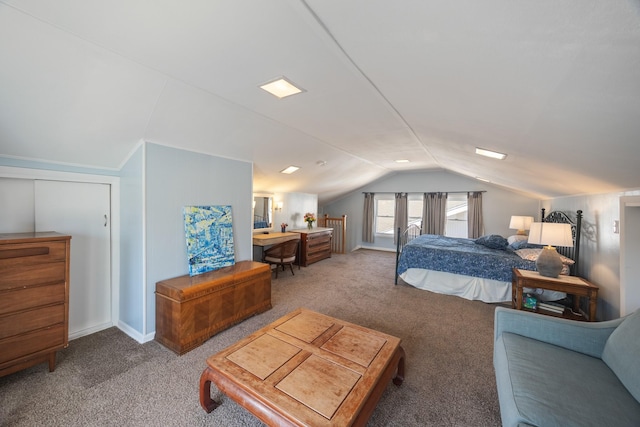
<point>191,309</point>
<point>34,299</point>
<point>315,244</point>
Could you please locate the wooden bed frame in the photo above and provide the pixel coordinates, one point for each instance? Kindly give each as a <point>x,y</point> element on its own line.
<point>413,231</point>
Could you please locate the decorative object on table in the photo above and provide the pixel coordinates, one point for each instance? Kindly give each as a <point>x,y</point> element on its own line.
<point>209,233</point>
<point>520,223</point>
<point>283,227</point>
<point>549,263</point>
<point>530,301</point>
<point>309,218</point>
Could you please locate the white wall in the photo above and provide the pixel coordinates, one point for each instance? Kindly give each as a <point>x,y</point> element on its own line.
<point>294,206</point>
<point>131,247</point>
<point>17,211</point>
<point>498,203</point>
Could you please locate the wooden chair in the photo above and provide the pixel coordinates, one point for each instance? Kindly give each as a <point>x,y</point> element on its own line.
<point>281,254</point>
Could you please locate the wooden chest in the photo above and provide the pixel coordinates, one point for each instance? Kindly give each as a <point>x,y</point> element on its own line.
<point>191,309</point>
<point>34,299</point>
<point>315,245</point>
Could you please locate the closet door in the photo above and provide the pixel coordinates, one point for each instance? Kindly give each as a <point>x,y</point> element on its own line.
<point>81,210</point>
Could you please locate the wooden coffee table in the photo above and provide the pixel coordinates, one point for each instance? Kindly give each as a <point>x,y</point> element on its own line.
<point>306,369</point>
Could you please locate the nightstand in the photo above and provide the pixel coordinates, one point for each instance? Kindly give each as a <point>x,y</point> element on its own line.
<point>572,285</point>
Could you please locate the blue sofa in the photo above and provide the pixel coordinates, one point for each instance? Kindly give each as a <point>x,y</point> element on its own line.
<point>559,372</point>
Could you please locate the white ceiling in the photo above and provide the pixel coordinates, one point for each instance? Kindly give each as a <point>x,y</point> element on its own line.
<point>553,83</point>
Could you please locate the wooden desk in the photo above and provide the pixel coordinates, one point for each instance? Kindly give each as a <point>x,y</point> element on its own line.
<point>306,369</point>
<point>261,239</point>
<point>571,285</point>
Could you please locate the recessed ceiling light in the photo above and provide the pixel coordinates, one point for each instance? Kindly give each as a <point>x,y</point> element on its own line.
<point>402,161</point>
<point>321,162</point>
<point>290,169</point>
<point>281,88</point>
<point>489,153</point>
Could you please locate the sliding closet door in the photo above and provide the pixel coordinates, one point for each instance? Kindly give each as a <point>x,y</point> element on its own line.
<point>81,210</point>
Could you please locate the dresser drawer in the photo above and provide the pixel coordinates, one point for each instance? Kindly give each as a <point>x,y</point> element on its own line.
<point>316,247</point>
<point>35,296</point>
<point>17,277</point>
<point>40,341</point>
<point>30,320</point>
<point>26,254</point>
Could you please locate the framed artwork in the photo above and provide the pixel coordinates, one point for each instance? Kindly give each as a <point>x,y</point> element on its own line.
<point>209,233</point>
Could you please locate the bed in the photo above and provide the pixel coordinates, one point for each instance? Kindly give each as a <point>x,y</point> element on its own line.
<point>470,270</point>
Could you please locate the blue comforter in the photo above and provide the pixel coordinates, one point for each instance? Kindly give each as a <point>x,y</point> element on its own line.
<point>460,256</point>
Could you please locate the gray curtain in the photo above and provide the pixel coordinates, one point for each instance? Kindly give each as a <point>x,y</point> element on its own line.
<point>368,218</point>
<point>401,216</point>
<point>474,214</point>
<point>434,213</point>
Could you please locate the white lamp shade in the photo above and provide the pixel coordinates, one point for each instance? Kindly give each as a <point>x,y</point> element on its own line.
<point>552,234</point>
<point>520,222</point>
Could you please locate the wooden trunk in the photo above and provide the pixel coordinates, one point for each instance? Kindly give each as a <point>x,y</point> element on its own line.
<point>191,309</point>
<point>34,299</point>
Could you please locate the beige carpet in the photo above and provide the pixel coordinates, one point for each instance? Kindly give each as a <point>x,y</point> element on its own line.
<point>108,379</point>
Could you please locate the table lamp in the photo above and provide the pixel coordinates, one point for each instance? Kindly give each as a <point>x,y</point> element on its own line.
<point>520,223</point>
<point>549,263</point>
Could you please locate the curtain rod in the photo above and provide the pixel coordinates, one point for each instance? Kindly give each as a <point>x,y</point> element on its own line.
<point>422,192</point>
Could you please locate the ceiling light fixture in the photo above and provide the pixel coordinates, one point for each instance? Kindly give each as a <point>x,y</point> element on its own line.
<point>489,153</point>
<point>281,88</point>
<point>482,179</point>
<point>290,169</point>
<point>402,161</point>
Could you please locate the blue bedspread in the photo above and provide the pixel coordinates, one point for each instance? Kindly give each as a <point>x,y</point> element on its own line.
<point>460,256</point>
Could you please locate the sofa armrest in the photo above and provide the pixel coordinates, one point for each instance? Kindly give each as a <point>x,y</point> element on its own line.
<point>584,337</point>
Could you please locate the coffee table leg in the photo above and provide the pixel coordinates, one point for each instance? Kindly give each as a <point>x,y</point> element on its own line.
<point>399,378</point>
<point>207,403</point>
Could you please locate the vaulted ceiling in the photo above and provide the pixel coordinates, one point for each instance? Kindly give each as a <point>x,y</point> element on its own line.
<point>554,84</point>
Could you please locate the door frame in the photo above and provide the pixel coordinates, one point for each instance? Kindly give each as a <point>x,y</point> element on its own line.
<point>114,182</point>
<point>629,248</point>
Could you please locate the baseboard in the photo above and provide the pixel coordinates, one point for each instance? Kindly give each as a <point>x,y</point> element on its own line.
<point>133,333</point>
<point>374,248</point>
<point>89,331</point>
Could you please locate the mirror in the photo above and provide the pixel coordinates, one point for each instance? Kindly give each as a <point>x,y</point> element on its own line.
<point>262,212</point>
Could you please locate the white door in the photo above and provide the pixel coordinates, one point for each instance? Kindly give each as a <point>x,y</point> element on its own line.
<point>81,210</point>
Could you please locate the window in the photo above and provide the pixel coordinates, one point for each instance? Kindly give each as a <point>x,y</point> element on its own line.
<point>456,225</point>
<point>385,214</point>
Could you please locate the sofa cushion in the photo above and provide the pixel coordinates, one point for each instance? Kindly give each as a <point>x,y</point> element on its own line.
<point>545,385</point>
<point>621,353</point>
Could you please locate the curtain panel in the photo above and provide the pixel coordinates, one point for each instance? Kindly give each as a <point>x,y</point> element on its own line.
<point>474,214</point>
<point>368,218</point>
<point>434,213</point>
<point>401,219</point>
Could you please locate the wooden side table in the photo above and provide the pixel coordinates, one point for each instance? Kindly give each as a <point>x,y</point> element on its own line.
<point>571,285</point>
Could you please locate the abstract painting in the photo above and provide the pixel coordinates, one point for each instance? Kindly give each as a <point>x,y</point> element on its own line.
<point>209,232</point>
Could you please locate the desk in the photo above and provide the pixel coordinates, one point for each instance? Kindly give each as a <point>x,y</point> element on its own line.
<point>261,239</point>
<point>572,285</point>
<point>269,239</point>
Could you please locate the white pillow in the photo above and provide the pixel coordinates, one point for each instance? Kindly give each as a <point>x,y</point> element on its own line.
<point>517,238</point>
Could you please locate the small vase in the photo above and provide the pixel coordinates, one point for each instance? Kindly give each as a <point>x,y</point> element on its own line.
<point>309,225</point>
<point>283,229</point>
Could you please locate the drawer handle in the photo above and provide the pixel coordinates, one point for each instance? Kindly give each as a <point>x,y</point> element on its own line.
<point>25,252</point>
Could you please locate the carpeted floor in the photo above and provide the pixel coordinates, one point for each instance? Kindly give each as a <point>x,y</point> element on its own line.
<point>108,379</point>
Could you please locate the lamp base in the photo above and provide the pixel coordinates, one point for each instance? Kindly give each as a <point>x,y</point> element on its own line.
<point>549,263</point>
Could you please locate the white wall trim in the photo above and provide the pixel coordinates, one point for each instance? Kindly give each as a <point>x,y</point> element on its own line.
<point>114,182</point>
